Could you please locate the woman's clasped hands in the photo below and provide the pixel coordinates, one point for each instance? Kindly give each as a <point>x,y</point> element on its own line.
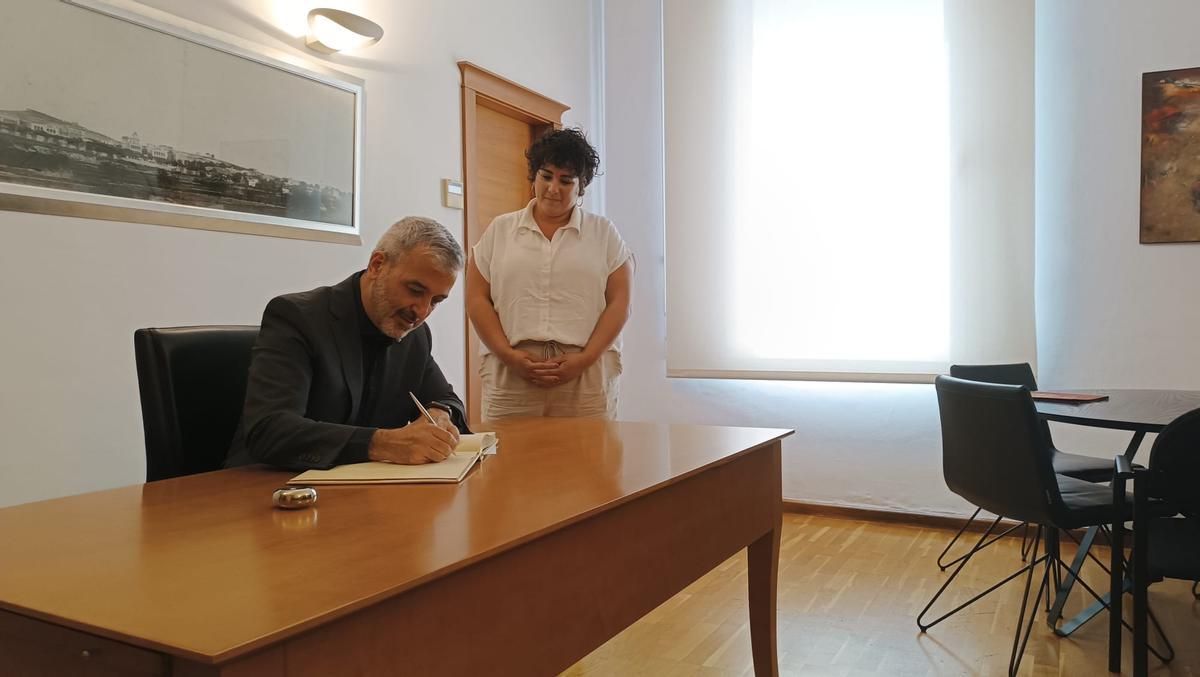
<point>550,371</point>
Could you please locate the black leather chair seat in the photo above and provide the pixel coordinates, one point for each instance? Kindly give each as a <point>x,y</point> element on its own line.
<point>1083,467</point>
<point>1087,504</point>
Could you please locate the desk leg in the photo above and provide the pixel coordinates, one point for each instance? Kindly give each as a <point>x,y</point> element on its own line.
<point>763,569</point>
<point>1085,545</point>
<point>1134,443</point>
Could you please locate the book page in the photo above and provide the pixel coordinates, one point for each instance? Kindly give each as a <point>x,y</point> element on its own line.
<point>476,442</point>
<point>450,470</point>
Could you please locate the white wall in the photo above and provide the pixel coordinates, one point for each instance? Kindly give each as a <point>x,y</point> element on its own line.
<point>73,290</point>
<point>1111,312</point>
<point>867,445</point>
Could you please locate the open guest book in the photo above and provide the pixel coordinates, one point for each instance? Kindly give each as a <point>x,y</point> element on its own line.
<point>1068,398</point>
<point>470,449</point>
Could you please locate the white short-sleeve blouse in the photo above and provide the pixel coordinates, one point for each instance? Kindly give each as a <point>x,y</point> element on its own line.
<point>549,290</point>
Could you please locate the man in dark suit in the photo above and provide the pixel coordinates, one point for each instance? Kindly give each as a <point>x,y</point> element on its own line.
<point>331,371</point>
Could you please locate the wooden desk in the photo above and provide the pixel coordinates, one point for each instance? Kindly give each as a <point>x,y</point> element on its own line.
<point>574,531</point>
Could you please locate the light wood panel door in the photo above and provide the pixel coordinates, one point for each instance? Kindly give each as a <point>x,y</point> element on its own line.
<point>500,120</point>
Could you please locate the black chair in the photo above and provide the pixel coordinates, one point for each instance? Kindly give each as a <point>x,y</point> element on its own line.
<point>1082,467</point>
<point>1166,543</point>
<point>995,454</point>
<point>193,384</point>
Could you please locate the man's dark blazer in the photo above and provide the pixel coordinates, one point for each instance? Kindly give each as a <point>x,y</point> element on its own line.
<point>306,383</point>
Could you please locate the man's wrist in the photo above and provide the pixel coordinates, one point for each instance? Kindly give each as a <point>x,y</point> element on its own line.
<point>366,439</point>
<point>442,407</point>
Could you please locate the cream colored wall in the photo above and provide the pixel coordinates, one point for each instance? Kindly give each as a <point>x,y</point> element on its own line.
<point>1111,312</point>
<point>73,290</point>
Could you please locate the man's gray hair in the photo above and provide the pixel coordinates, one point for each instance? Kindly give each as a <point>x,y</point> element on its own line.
<point>413,231</point>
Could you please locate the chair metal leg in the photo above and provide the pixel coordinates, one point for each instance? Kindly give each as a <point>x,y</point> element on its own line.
<point>1063,589</point>
<point>954,540</point>
<point>1141,644</point>
<point>1023,626</point>
<point>1026,546</point>
<point>1112,600</point>
<point>1116,579</point>
<point>1134,443</point>
<point>1158,629</point>
<point>1141,602</point>
<point>1019,641</point>
<point>980,544</point>
<point>1050,578</point>
<point>1103,602</point>
<point>993,539</point>
<point>1107,537</point>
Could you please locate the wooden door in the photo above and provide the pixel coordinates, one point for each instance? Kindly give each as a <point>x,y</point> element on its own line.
<point>500,119</point>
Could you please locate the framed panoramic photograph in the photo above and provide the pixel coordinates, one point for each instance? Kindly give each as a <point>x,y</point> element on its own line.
<point>1170,200</point>
<point>131,114</point>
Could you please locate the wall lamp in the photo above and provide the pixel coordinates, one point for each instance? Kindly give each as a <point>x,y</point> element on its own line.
<point>332,30</point>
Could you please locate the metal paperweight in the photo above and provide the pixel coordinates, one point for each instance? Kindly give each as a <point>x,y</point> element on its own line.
<point>294,498</point>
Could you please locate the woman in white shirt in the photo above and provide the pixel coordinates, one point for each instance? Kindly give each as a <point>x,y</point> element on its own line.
<point>549,293</point>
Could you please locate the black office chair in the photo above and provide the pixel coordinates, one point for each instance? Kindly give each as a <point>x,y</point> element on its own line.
<point>1082,467</point>
<point>996,455</point>
<point>193,385</point>
<point>1164,545</point>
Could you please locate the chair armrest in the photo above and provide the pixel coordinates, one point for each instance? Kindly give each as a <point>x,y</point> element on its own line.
<point>1122,468</point>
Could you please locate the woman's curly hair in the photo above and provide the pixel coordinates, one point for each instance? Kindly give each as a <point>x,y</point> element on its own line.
<point>566,149</point>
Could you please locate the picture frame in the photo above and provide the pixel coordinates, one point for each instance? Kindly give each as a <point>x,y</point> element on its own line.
<point>1170,178</point>
<point>132,114</point>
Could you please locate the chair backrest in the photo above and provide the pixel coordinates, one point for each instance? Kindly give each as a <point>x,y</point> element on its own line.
<point>1175,464</point>
<point>1019,374</point>
<point>193,386</point>
<point>993,451</point>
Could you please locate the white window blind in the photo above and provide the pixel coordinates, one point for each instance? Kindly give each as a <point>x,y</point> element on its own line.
<point>848,187</point>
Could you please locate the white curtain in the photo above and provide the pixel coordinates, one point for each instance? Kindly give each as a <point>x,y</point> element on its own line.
<point>849,187</point>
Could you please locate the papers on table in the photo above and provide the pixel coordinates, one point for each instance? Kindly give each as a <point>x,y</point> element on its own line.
<point>470,449</point>
<point>1068,398</point>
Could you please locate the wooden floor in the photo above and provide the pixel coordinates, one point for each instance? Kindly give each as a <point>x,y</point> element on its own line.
<point>849,593</point>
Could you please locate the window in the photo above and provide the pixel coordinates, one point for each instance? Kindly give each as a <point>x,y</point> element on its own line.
<point>814,226</point>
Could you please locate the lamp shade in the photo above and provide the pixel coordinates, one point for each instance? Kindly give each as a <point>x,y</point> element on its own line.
<point>332,30</point>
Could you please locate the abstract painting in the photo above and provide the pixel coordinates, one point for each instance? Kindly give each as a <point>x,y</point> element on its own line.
<point>1170,194</point>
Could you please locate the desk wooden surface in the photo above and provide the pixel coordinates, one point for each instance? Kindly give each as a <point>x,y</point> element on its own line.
<point>202,568</point>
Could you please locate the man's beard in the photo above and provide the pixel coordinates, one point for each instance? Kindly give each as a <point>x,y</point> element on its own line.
<point>393,323</point>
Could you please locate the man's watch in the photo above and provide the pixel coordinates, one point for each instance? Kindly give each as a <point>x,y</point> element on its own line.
<point>444,407</point>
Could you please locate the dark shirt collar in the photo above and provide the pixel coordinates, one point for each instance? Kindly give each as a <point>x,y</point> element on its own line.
<point>368,330</point>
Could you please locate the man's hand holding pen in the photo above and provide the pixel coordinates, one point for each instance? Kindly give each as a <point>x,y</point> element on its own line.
<point>429,439</point>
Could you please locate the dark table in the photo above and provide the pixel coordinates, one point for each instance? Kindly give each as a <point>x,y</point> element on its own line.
<point>1139,411</point>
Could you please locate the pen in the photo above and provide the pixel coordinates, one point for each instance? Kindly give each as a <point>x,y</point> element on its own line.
<point>422,408</point>
<point>429,417</point>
